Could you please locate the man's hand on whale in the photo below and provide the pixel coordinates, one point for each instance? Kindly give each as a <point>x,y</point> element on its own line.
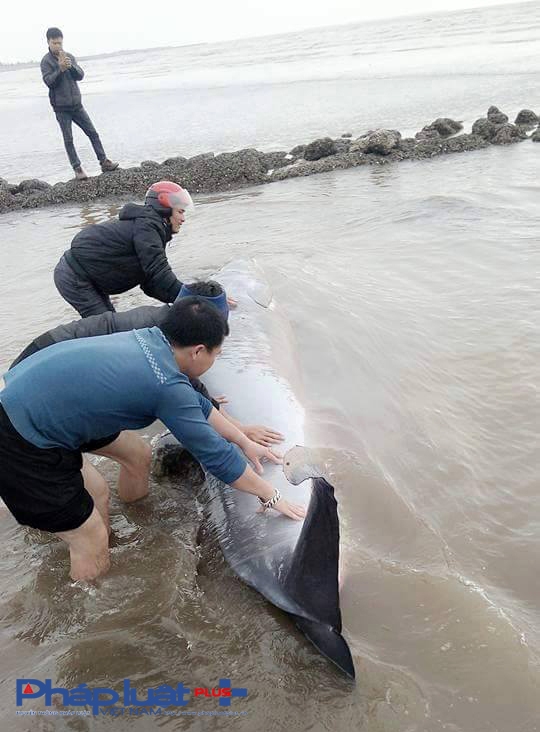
<point>249,481</point>
<point>256,453</point>
<point>266,436</point>
<point>263,435</point>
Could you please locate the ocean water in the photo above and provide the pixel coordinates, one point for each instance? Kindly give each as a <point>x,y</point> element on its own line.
<point>413,294</point>
<point>281,91</point>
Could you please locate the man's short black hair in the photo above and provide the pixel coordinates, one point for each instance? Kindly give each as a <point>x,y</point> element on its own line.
<point>194,320</point>
<point>209,288</point>
<point>54,33</point>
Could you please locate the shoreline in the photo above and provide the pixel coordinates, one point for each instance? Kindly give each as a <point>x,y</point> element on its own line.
<point>210,173</point>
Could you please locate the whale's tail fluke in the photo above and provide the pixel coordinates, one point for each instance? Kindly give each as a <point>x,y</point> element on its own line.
<point>329,642</point>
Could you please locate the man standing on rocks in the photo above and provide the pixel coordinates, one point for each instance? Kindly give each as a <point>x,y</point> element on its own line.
<point>61,73</point>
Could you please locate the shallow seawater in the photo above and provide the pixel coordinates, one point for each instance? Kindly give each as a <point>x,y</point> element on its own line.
<point>413,297</point>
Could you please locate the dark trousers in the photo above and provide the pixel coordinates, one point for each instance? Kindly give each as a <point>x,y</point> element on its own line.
<point>80,116</point>
<point>81,294</point>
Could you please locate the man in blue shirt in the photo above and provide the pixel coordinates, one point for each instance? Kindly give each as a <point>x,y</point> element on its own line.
<point>69,396</point>
<point>145,316</point>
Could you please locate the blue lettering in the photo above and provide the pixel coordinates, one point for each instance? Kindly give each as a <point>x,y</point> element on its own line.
<point>126,692</point>
<point>44,689</point>
<point>112,712</point>
<point>49,691</point>
<point>96,703</point>
<point>164,696</point>
<point>133,699</point>
<point>130,696</point>
<point>81,696</point>
<point>182,691</point>
<point>22,684</point>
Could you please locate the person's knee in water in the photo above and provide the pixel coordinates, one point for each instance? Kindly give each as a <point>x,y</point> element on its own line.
<point>135,458</point>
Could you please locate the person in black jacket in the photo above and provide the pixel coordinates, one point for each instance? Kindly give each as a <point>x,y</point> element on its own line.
<point>109,258</point>
<point>128,448</point>
<point>61,72</point>
<point>148,316</point>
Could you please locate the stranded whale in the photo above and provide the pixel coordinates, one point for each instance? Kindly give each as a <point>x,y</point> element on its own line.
<point>293,564</point>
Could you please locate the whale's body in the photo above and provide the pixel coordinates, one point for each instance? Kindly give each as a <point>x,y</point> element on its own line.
<point>294,564</point>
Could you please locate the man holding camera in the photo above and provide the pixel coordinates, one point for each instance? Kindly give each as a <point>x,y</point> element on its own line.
<point>61,73</point>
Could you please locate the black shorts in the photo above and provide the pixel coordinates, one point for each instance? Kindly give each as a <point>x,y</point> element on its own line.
<point>43,488</point>
<point>94,445</point>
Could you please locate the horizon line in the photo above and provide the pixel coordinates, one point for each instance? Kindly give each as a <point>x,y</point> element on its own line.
<point>125,51</point>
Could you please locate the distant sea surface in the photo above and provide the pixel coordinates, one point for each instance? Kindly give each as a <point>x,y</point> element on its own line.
<point>280,91</point>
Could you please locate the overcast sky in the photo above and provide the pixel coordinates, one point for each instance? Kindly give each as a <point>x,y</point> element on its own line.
<point>98,26</point>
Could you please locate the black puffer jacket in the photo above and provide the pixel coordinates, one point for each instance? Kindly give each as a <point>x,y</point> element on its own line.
<point>121,254</point>
<point>64,91</point>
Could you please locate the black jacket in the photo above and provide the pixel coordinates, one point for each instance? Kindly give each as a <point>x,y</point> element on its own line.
<point>120,254</point>
<point>146,316</point>
<point>64,91</point>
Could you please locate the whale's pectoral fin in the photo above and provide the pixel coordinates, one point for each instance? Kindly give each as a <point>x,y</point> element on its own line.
<point>300,463</point>
<point>312,578</point>
<point>261,294</point>
<point>258,288</point>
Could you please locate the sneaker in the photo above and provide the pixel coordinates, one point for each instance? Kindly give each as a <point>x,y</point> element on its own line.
<point>107,165</point>
<point>80,174</point>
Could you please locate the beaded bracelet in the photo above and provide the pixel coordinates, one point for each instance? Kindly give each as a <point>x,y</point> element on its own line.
<point>271,502</point>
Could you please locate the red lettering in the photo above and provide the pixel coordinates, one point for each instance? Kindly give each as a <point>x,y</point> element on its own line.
<point>217,692</point>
